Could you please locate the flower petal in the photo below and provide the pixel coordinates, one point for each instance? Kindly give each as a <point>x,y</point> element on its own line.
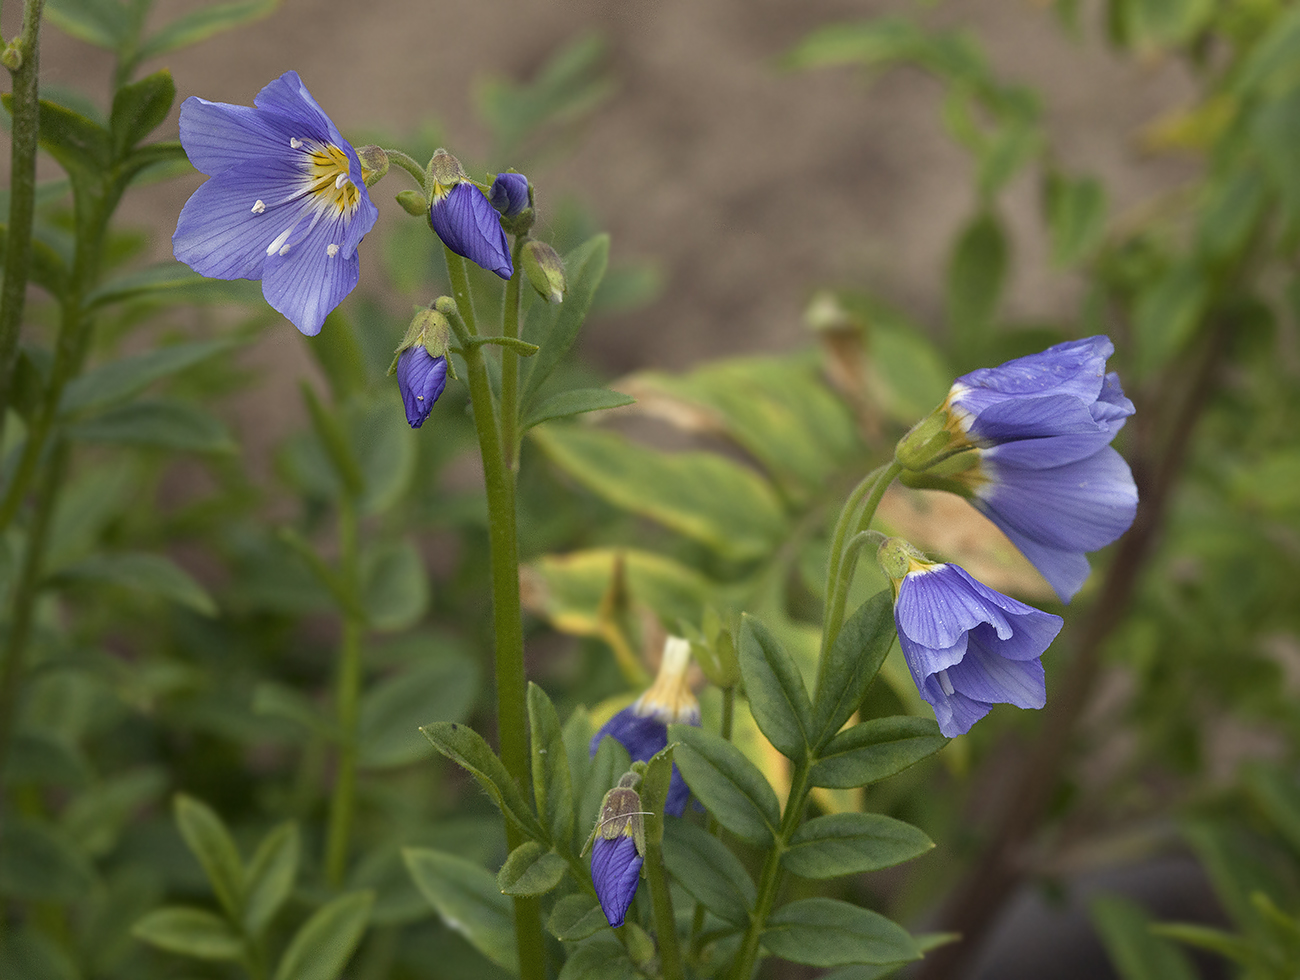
<point>421,378</point>
<point>615,871</point>
<point>306,282</point>
<point>935,607</point>
<point>985,675</point>
<point>956,713</point>
<point>469,226</point>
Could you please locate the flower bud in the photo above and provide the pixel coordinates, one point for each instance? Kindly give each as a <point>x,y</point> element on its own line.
<point>461,216</point>
<point>510,194</point>
<point>413,203</point>
<point>421,364</point>
<point>617,845</point>
<point>545,270</point>
<point>374,163</point>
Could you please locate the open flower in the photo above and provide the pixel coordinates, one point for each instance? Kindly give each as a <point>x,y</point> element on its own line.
<point>285,202</point>
<point>617,844</point>
<point>420,378</point>
<point>642,728</point>
<point>1028,443</point>
<point>465,220</point>
<point>967,646</point>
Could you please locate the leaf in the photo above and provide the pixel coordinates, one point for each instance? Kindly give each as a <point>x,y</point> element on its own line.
<point>1167,314</point>
<point>119,380</point>
<point>851,843</point>
<point>393,710</point>
<point>699,494</point>
<point>707,869</point>
<point>552,782</point>
<point>873,750</point>
<point>1239,949</point>
<point>190,932</point>
<point>105,23</point>
<point>531,869</point>
<point>1124,927</point>
<point>270,877</point>
<point>575,401</point>
<point>153,574</point>
<point>576,917</point>
<point>173,282</point>
<point>774,686</point>
<point>38,863</point>
<point>466,897</point>
<point>138,108</point>
<point>157,424</point>
<point>827,932</point>
<point>321,948</point>
<point>554,327</point>
<point>210,842</point>
<point>1076,217</point>
<point>82,147</point>
<point>851,665</point>
<point>199,25</point>
<point>466,748</point>
<point>977,271</point>
<point>395,586</point>
<point>731,786</point>
<point>281,701</point>
<point>599,960</point>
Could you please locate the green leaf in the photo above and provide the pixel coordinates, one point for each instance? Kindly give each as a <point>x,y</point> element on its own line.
<point>654,792</point>
<point>119,380</point>
<point>384,448</point>
<point>28,953</point>
<point>98,816</point>
<point>1076,217</point>
<point>1167,314</point>
<point>203,23</point>
<point>699,494</point>
<point>1124,927</point>
<point>210,842</point>
<point>707,869</point>
<point>575,401</point>
<point>576,917</point>
<point>977,271</point>
<point>1276,793</point>
<point>38,863</point>
<point>531,870</point>
<point>175,283</point>
<point>850,843</point>
<point>154,574</point>
<point>46,760</point>
<point>466,748</point>
<point>851,665</point>
<point>873,750</point>
<point>468,900</point>
<point>157,424</point>
<point>395,586</point>
<point>82,147</point>
<point>190,932</point>
<point>321,948</point>
<point>104,23</point>
<point>270,877</point>
<point>775,690</point>
<point>727,783</point>
<point>827,932</point>
<point>610,762</point>
<point>281,701</point>
<point>1239,949</point>
<point>393,710</point>
<point>552,782</point>
<point>600,959</point>
<point>138,108</point>
<point>554,327</point>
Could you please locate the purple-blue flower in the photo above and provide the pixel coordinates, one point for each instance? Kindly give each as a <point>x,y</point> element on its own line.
<point>615,871</point>
<point>420,378</point>
<point>642,727</point>
<point>967,646</point>
<point>285,202</point>
<point>1028,443</point>
<point>509,194</point>
<point>461,215</point>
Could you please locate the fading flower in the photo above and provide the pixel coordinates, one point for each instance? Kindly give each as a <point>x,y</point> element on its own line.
<point>285,202</point>
<point>1028,443</point>
<point>642,728</point>
<point>465,220</point>
<point>968,647</point>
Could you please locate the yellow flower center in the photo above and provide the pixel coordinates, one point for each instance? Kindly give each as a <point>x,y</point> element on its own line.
<point>328,177</point>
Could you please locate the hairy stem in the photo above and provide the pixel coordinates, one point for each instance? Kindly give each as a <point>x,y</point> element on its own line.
<point>510,363</point>
<point>347,698</point>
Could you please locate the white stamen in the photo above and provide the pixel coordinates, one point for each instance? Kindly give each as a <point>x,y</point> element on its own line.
<point>340,180</point>
<point>284,249</point>
<point>259,206</point>
<point>331,250</point>
<point>280,239</point>
<point>294,142</point>
<point>944,683</point>
<point>419,398</point>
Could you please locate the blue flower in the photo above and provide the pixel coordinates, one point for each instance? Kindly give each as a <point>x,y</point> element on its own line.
<point>286,200</point>
<point>509,194</point>
<point>1028,443</point>
<point>615,871</point>
<point>463,218</point>
<point>420,378</point>
<point>967,646</point>
<point>642,728</point>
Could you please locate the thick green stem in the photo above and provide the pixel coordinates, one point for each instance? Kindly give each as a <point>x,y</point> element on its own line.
<point>409,164</point>
<point>510,363</point>
<point>24,110</point>
<point>670,954</point>
<point>347,700</point>
<point>507,617</point>
<point>770,882</point>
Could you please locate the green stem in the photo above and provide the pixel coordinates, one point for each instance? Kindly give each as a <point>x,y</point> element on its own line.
<point>670,954</point>
<point>728,714</point>
<point>407,163</point>
<point>347,700</point>
<point>510,363</point>
<point>770,882</point>
<point>507,617</point>
<point>25,110</point>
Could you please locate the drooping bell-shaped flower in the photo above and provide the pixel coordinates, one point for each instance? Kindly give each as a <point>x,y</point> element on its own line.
<point>967,646</point>
<point>285,202</point>
<point>464,219</point>
<point>642,727</point>
<point>1028,443</point>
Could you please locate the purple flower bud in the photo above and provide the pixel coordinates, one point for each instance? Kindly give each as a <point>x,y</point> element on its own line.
<point>420,378</point>
<point>615,871</point>
<point>509,194</point>
<point>470,227</point>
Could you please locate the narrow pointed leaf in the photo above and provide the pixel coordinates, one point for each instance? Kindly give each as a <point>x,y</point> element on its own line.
<point>854,660</point>
<point>467,898</point>
<point>851,843</point>
<point>827,932</point>
<point>467,749</point>
<point>707,869</point>
<point>210,842</point>
<point>552,783</point>
<point>531,870</point>
<point>190,932</point>
<point>270,879</point>
<point>727,783</point>
<point>874,750</point>
<point>774,686</point>
<point>322,947</point>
